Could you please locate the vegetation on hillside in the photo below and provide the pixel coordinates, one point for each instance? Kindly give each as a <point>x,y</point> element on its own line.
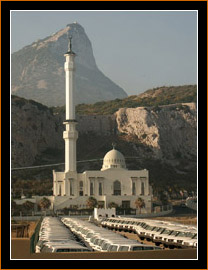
<point>20,102</point>
<point>162,176</point>
<point>91,146</point>
<point>153,97</point>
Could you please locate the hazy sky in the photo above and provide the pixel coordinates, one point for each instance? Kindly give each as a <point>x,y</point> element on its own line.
<point>138,50</point>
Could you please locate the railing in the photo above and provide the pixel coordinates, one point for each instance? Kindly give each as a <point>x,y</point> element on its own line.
<point>34,238</point>
<point>20,230</point>
<point>158,211</point>
<point>127,211</point>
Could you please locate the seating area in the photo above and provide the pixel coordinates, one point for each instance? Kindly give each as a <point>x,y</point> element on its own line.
<point>161,233</point>
<point>102,240</point>
<point>76,235</point>
<point>55,237</point>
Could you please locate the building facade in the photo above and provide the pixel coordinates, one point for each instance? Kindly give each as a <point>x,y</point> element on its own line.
<point>114,183</point>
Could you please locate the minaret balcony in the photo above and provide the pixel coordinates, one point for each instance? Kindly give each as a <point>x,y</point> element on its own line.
<point>68,121</point>
<point>70,134</point>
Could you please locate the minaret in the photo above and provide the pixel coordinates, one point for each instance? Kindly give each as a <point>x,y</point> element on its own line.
<point>70,135</point>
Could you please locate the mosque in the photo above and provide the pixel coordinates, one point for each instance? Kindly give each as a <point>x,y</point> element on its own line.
<point>113,183</point>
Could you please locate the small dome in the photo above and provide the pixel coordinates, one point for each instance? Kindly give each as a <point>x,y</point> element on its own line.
<point>113,160</point>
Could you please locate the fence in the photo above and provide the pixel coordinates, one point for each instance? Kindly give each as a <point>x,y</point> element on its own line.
<point>75,212</point>
<point>35,236</point>
<point>127,211</point>
<point>20,230</point>
<point>157,212</point>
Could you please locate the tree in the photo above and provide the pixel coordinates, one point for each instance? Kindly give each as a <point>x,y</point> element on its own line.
<point>65,211</point>
<point>139,204</point>
<point>44,203</point>
<point>91,202</point>
<point>112,205</point>
<point>163,198</point>
<point>28,205</point>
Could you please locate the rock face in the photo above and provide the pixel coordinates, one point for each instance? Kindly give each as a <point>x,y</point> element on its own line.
<point>161,133</point>
<point>170,131</point>
<point>37,70</point>
<point>34,129</point>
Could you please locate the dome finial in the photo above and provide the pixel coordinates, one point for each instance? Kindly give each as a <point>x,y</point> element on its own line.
<point>114,145</point>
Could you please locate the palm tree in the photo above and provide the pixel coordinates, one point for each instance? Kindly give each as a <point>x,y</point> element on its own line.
<point>44,203</point>
<point>112,205</point>
<point>139,204</point>
<point>91,202</point>
<point>28,205</point>
<point>163,198</point>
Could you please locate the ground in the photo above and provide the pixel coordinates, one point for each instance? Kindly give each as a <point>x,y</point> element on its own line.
<point>181,214</point>
<point>184,219</point>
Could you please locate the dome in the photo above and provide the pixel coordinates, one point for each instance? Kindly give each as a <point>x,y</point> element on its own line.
<point>113,160</point>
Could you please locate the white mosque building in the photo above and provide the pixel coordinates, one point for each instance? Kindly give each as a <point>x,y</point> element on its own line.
<point>113,183</point>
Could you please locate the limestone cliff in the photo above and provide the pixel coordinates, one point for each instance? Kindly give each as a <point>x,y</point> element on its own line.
<point>164,133</point>
<point>33,130</point>
<point>170,131</point>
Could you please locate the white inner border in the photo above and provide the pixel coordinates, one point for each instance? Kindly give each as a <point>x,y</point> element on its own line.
<point>197,118</point>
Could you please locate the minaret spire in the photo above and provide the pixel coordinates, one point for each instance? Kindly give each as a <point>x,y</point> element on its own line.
<point>70,44</point>
<point>70,135</point>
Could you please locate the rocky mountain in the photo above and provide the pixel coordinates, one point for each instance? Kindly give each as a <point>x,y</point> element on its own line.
<point>162,138</point>
<point>37,70</point>
<point>34,129</point>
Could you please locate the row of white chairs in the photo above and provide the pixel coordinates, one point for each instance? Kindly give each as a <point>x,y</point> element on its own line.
<point>55,237</point>
<point>102,240</point>
<point>166,233</point>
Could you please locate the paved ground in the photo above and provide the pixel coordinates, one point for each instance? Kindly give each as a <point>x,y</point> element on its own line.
<point>181,214</point>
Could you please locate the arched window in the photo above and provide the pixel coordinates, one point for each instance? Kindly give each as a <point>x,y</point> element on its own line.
<point>71,189</point>
<point>81,188</point>
<point>81,184</point>
<point>59,190</point>
<point>116,188</point>
<point>142,188</point>
<point>133,188</point>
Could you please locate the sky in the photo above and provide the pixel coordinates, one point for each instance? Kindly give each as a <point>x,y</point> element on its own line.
<point>138,50</point>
